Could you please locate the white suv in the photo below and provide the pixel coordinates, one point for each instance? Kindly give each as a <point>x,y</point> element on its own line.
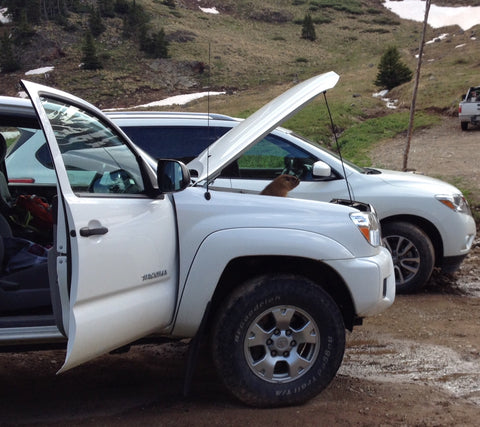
<point>426,222</point>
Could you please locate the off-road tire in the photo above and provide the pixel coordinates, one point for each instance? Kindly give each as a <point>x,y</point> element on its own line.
<point>285,324</point>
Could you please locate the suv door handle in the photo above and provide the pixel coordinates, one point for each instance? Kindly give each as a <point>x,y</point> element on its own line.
<point>86,232</point>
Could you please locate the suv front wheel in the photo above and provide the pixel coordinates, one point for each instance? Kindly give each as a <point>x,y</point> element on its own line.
<point>278,341</point>
<point>413,255</point>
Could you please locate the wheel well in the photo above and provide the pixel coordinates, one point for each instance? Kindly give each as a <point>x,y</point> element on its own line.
<point>241,269</point>
<point>426,226</point>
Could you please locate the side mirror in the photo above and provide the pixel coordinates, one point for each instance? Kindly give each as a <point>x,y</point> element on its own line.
<point>321,169</point>
<point>172,176</point>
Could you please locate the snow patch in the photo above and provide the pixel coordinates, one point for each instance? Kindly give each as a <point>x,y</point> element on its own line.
<point>390,103</point>
<point>42,70</point>
<point>180,99</point>
<point>175,100</point>
<point>465,17</point>
<point>212,10</point>
<point>438,38</point>
<point>4,19</point>
<point>380,94</point>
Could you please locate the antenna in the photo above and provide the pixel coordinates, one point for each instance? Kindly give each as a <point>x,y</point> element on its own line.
<point>207,194</point>
<point>338,146</point>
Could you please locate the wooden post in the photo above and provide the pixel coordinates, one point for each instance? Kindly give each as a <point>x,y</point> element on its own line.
<point>415,88</point>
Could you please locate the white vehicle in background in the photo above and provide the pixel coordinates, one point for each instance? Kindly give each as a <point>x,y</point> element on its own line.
<point>426,222</point>
<point>138,251</point>
<point>469,108</point>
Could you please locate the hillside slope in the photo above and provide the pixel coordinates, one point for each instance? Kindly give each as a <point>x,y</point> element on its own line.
<point>250,46</point>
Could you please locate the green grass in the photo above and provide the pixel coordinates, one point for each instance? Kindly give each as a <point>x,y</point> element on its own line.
<point>357,141</point>
<point>257,60</point>
<point>250,53</point>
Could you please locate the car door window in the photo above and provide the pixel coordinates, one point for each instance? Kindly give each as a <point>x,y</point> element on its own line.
<point>273,156</point>
<point>96,159</point>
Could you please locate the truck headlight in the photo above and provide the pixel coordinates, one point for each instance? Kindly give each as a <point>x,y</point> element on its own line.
<point>456,202</point>
<point>367,223</point>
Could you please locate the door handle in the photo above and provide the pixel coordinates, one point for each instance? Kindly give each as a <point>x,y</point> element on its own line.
<point>86,231</point>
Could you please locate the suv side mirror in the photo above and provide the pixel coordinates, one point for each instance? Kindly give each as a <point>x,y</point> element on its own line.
<point>172,176</point>
<point>321,169</point>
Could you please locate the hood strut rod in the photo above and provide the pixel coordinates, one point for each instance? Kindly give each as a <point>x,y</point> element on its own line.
<point>338,146</point>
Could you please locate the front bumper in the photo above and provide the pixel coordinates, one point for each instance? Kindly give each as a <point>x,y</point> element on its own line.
<point>371,282</point>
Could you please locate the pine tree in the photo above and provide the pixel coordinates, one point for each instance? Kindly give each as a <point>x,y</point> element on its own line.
<point>107,8</point>
<point>135,22</point>
<point>156,46</point>
<point>8,60</point>
<point>90,58</point>
<point>95,23</point>
<point>391,71</point>
<point>23,31</point>
<point>308,29</point>
<point>122,7</point>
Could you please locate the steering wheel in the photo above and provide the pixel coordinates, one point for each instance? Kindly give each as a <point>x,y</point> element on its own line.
<point>118,181</point>
<point>295,167</point>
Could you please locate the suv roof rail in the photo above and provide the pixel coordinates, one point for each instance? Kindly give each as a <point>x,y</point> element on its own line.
<point>166,114</point>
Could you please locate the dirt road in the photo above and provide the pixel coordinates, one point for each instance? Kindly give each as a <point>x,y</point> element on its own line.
<point>416,364</point>
<point>444,152</point>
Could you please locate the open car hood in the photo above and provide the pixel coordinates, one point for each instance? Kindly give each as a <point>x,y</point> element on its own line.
<point>253,129</point>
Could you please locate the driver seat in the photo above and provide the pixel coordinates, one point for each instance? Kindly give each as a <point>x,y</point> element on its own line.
<point>20,289</point>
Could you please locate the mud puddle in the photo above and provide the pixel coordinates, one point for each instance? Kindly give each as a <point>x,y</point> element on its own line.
<point>392,360</point>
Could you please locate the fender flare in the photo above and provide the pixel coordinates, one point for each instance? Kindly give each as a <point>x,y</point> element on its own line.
<point>225,245</point>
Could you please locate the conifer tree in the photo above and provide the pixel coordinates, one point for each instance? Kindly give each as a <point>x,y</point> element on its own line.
<point>90,58</point>
<point>95,23</point>
<point>391,71</point>
<point>155,45</point>
<point>8,59</point>
<point>308,29</point>
<point>107,8</point>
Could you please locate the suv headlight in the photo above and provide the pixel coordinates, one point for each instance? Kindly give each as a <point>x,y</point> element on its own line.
<point>367,223</point>
<point>456,202</point>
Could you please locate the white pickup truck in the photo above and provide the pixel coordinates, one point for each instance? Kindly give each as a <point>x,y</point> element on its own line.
<point>138,250</point>
<point>469,108</point>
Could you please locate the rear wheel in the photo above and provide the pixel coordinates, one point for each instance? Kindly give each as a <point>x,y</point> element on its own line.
<point>278,341</point>
<point>464,125</point>
<point>413,255</point>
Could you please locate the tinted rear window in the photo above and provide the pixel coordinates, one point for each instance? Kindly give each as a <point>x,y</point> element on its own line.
<point>174,142</point>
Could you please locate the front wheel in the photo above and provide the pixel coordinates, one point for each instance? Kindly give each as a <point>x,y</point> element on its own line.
<point>413,255</point>
<point>278,341</point>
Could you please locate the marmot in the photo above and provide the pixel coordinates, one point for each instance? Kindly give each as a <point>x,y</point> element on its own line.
<point>281,185</point>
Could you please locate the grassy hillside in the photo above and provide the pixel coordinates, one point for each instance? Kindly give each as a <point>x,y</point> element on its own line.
<point>254,51</point>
